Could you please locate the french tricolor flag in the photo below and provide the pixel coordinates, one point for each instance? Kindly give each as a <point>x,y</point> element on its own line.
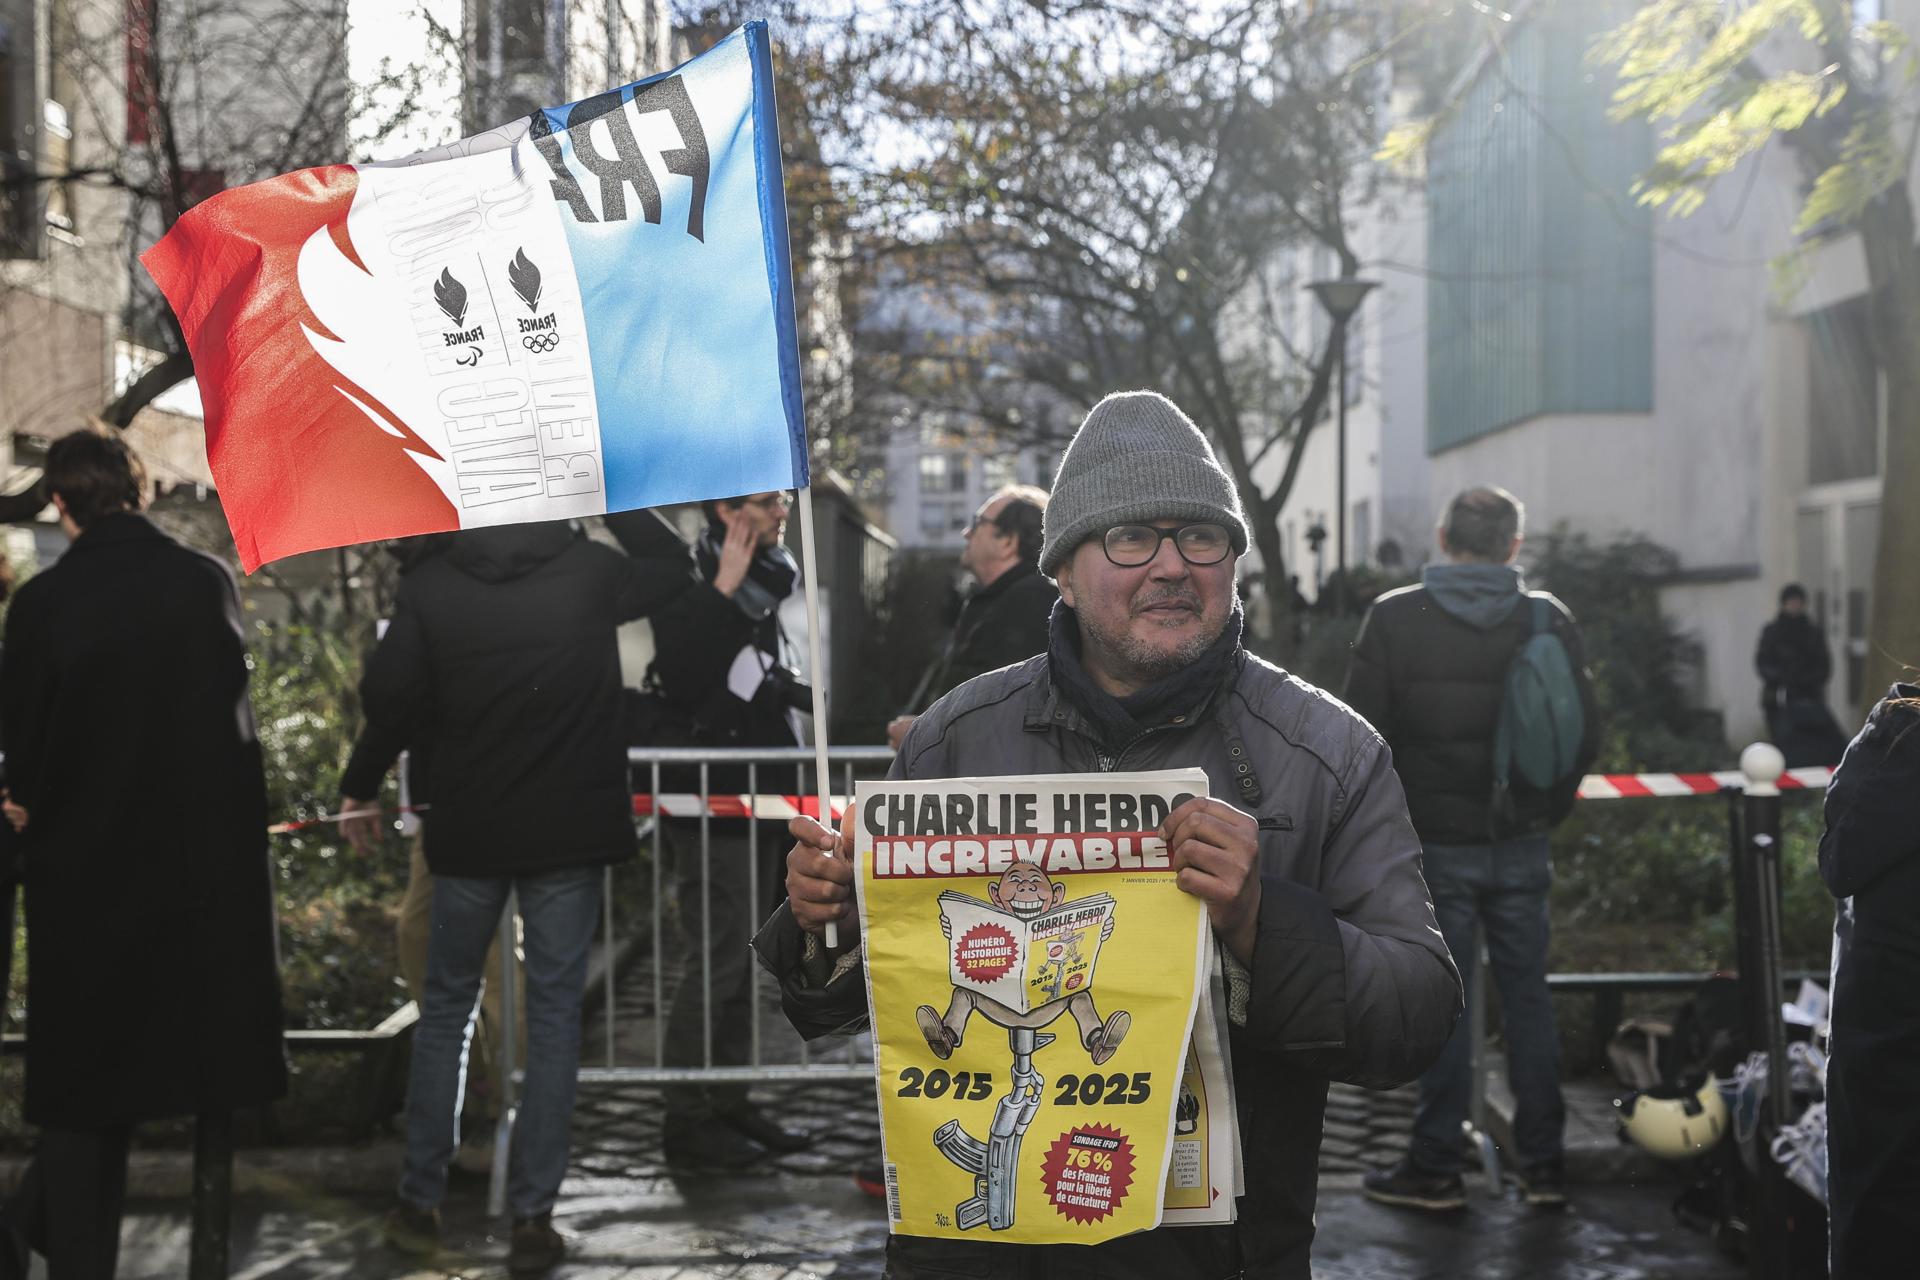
<point>584,311</point>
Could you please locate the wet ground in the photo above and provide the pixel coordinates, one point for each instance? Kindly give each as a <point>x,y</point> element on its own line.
<point>630,1218</point>
<point>785,1228</point>
<point>801,1216</point>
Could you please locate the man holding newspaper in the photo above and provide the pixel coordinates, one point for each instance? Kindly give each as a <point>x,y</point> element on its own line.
<point>1287,823</point>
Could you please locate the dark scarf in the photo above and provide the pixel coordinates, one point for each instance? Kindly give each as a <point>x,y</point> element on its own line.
<point>1120,720</point>
<point>769,580</point>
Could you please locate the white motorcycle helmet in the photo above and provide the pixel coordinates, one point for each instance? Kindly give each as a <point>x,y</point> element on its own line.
<point>1675,1122</point>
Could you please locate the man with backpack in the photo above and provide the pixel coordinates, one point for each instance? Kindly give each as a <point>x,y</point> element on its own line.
<point>1480,688</point>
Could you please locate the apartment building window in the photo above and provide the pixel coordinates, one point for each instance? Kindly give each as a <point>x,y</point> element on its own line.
<point>1540,286</point>
<point>933,474</point>
<point>58,148</point>
<point>998,471</point>
<point>942,473</point>
<point>1843,395</point>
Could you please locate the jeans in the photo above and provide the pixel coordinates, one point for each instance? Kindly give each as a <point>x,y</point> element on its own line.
<point>731,914</point>
<point>558,911</point>
<point>412,933</point>
<point>1504,885</point>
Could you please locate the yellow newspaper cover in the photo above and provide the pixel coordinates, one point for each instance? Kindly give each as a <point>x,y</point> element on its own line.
<point>1204,1178</point>
<point>1032,974</point>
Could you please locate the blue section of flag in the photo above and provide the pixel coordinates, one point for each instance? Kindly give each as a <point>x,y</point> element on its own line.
<point>695,361</point>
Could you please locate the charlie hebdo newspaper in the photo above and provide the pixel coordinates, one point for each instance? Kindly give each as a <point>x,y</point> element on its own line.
<point>1033,974</point>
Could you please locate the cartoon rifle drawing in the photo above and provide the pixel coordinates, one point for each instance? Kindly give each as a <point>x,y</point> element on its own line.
<point>995,1162</point>
<point>1060,983</point>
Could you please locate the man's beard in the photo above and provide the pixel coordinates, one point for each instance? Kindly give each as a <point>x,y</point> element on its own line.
<point>1143,662</point>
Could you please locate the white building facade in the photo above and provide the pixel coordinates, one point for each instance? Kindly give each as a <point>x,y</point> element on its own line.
<point>1621,371</point>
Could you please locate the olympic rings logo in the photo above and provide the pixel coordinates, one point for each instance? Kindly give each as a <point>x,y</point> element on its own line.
<point>540,343</point>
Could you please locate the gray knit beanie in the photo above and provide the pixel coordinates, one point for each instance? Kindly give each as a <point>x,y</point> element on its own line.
<point>1135,458</point>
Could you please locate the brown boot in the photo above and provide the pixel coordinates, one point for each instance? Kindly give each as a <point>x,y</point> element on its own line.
<point>940,1037</point>
<point>1103,1042</point>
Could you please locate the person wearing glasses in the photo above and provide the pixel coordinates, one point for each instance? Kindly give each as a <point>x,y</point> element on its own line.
<point>1303,852</point>
<point>1004,620</point>
<point>723,671</point>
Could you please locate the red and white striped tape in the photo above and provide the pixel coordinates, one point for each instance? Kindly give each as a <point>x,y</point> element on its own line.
<point>1632,786</point>
<point>1595,786</point>
<point>674,804</point>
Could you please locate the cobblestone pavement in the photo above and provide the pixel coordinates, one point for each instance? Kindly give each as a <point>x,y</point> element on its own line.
<point>631,1219</point>
<point>786,1228</point>
<point>802,1216</point>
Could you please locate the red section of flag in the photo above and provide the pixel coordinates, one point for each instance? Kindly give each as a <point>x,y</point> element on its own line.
<point>297,464</point>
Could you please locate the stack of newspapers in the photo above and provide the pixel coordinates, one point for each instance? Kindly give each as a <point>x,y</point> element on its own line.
<point>1048,1008</point>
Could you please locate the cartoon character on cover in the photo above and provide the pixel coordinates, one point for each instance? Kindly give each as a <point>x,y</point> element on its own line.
<point>1026,891</point>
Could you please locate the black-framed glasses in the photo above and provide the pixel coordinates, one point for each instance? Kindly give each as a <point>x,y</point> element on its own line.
<point>777,499</point>
<point>1132,545</point>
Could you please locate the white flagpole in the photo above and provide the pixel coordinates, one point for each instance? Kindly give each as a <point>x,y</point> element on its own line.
<point>816,668</point>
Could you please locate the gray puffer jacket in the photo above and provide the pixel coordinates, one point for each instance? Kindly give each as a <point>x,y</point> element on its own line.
<point>1350,978</point>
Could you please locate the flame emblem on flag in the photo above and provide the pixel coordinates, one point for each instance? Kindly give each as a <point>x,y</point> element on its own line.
<point>355,331</point>
<point>452,297</point>
<point>525,278</point>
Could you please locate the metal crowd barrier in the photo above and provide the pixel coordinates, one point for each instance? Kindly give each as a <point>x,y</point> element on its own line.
<point>1753,798</point>
<point>850,1060</point>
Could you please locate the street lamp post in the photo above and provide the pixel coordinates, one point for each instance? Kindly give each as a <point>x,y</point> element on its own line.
<point>1342,298</point>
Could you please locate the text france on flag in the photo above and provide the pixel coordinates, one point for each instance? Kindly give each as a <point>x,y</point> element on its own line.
<point>587,310</point>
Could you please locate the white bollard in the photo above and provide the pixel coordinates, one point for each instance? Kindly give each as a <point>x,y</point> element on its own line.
<point>1763,764</point>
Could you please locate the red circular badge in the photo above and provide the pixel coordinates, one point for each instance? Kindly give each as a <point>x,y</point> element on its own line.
<point>1087,1172</point>
<point>984,952</point>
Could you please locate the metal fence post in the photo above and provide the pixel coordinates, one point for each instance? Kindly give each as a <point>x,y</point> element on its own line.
<point>212,1195</point>
<point>509,1016</point>
<point>1756,879</point>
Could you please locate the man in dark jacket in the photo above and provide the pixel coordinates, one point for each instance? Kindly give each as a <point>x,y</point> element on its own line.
<point>1870,860</point>
<point>1429,672</point>
<point>1303,853</point>
<point>501,664</point>
<point>722,667</point>
<point>1004,620</point>
<point>1794,665</point>
<point>153,982</point>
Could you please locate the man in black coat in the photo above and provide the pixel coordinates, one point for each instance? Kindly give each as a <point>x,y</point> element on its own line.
<point>1004,620</point>
<point>1794,666</point>
<point>137,783</point>
<point>1870,860</point>
<point>1429,672</point>
<point>501,664</point>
